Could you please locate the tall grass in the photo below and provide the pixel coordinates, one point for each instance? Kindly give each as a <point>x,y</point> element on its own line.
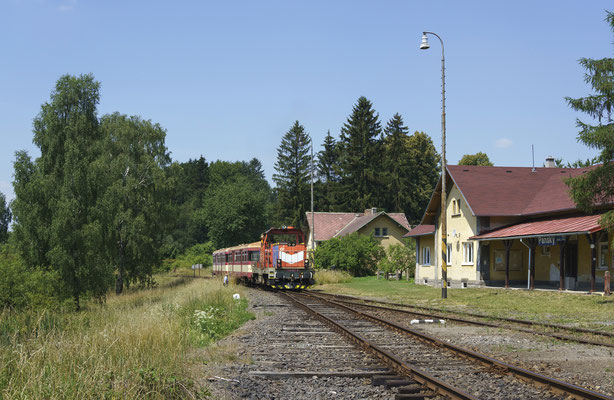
<point>134,346</point>
<point>329,276</point>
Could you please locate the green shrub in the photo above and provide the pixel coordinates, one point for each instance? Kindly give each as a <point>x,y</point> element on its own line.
<point>399,257</point>
<point>357,254</point>
<point>22,287</point>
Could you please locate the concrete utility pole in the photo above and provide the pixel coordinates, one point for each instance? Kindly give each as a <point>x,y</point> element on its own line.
<point>444,233</point>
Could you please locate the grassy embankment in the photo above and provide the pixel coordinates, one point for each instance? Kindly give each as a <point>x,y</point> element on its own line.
<point>137,345</point>
<point>595,312</point>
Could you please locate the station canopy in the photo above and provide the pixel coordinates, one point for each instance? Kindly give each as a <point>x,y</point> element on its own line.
<point>567,226</point>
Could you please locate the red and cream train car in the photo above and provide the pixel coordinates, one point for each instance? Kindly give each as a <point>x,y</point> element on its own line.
<point>279,260</point>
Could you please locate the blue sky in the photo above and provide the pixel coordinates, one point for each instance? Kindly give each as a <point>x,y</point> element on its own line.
<point>228,79</point>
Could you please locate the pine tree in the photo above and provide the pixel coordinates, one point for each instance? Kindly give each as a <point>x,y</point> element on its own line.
<point>398,165</point>
<point>597,185</point>
<point>293,176</point>
<point>361,159</point>
<point>328,175</point>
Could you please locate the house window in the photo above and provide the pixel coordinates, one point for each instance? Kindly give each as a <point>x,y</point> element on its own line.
<point>545,250</point>
<point>377,232</point>
<point>384,231</point>
<point>449,254</point>
<point>468,253</point>
<point>426,256</point>
<point>456,207</point>
<point>603,256</point>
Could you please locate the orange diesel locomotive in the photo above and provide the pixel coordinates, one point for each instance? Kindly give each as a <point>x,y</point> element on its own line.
<point>279,260</point>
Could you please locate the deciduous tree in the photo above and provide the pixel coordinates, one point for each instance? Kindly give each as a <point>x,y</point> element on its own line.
<point>5,218</point>
<point>478,158</point>
<point>237,203</point>
<point>56,194</point>
<point>134,201</point>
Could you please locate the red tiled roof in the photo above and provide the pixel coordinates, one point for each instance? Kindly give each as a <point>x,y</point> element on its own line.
<point>328,225</point>
<point>421,230</point>
<point>513,191</point>
<point>549,227</point>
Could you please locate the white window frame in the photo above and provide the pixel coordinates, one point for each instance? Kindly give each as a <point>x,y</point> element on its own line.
<point>603,256</point>
<point>468,256</point>
<point>426,255</point>
<point>449,254</point>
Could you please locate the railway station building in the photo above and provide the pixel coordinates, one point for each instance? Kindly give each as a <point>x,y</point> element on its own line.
<point>387,228</point>
<point>512,227</point>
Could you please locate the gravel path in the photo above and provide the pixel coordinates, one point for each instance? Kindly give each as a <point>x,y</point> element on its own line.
<point>281,339</point>
<point>584,365</point>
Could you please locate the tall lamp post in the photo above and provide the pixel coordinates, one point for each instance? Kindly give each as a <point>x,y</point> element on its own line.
<point>444,242</point>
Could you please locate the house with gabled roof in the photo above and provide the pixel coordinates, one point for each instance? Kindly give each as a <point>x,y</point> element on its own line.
<point>512,226</point>
<point>388,228</point>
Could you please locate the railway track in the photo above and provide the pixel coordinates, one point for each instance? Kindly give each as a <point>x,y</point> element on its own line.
<point>439,368</point>
<point>606,339</point>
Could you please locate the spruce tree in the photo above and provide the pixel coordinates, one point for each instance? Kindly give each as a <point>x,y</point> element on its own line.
<point>292,177</point>
<point>596,187</point>
<point>328,175</point>
<point>361,159</point>
<point>398,165</point>
<point>424,169</point>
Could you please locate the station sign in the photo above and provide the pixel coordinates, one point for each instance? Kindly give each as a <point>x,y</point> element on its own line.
<point>549,240</point>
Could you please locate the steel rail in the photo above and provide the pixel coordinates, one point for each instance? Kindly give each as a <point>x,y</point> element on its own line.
<point>555,384</point>
<point>481,323</point>
<point>429,382</point>
<point>513,320</point>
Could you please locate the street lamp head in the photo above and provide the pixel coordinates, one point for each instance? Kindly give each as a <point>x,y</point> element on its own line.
<point>425,42</point>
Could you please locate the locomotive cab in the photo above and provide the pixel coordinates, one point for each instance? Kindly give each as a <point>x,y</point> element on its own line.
<point>284,260</point>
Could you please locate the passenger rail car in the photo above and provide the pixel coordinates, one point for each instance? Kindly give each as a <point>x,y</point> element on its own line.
<point>279,260</point>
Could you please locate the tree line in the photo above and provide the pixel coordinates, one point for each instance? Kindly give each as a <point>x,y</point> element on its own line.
<point>366,166</point>
<point>104,203</point>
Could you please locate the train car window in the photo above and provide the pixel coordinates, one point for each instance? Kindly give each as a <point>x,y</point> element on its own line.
<point>254,255</point>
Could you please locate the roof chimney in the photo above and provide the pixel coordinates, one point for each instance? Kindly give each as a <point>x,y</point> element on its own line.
<point>371,211</point>
<point>550,162</point>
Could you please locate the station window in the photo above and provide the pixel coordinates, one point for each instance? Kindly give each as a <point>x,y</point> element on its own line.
<point>426,256</point>
<point>449,254</point>
<point>468,253</point>
<point>603,256</point>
